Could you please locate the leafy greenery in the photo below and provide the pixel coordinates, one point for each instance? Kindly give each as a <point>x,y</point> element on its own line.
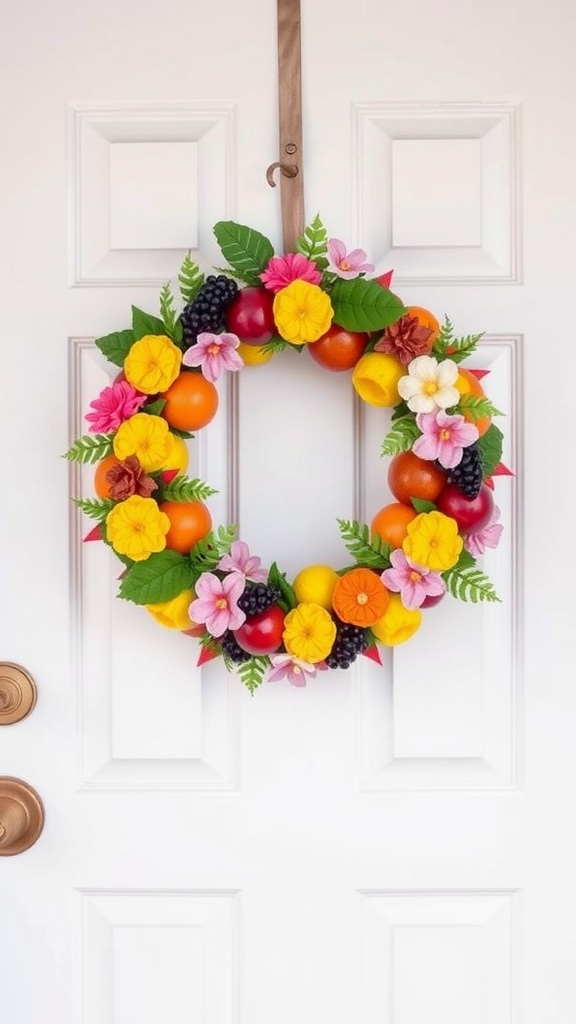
<point>490,445</point>
<point>421,505</point>
<point>95,508</point>
<point>185,434</point>
<point>278,580</point>
<point>172,325</point>
<point>238,275</point>
<point>90,448</point>
<point>210,643</point>
<point>252,672</point>
<point>400,410</point>
<point>447,346</point>
<point>246,250</point>
<point>401,436</point>
<point>181,488</point>
<point>154,408</point>
<point>361,305</point>
<point>206,554</point>
<point>190,279</point>
<point>313,243</point>
<point>160,577</point>
<point>144,323</point>
<point>478,406</point>
<point>373,553</point>
<point>116,346</point>
<point>468,583</point>
<point>275,345</point>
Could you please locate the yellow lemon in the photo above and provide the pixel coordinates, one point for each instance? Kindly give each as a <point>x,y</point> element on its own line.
<point>397,624</point>
<point>315,585</point>
<point>174,613</point>
<point>376,377</point>
<point>179,456</point>
<point>253,355</point>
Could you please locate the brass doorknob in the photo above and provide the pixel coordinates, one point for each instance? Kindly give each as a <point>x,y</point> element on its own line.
<point>17,693</point>
<point>21,816</point>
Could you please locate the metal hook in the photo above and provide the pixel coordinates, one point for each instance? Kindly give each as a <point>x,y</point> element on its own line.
<point>288,170</point>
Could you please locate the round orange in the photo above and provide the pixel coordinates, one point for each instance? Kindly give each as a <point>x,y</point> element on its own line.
<point>468,384</point>
<point>190,521</point>
<point>338,349</point>
<point>412,477</point>
<point>360,597</point>
<point>191,402</point>
<point>391,523</point>
<point>101,484</point>
<point>426,319</point>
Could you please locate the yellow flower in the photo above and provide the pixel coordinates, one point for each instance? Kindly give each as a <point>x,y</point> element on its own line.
<point>302,312</point>
<point>433,541</point>
<point>146,437</point>
<point>375,377</point>
<point>309,633</point>
<point>174,613</point>
<point>152,364</point>
<point>397,624</point>
<point>136,527</point>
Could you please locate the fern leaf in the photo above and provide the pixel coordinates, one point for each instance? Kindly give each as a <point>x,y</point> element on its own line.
<point>184,489</point>
<point>401,436</point>
<point>206,554</point>
<point>95,509</point>
<point>90,448</point>
<point>313,243</point>
<point>252,672</point>
<point>468,583</point>
<point>447,346</point>
<point>478,406</point>
<point>190,279</point>
<point>169,315</point>
<point>374,553</point>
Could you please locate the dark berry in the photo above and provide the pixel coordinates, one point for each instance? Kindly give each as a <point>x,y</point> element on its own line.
<point>206,311</point>
<point>467,475</point>
<point>232,650</point>
<point>349,643</point>
<point>257,597</point>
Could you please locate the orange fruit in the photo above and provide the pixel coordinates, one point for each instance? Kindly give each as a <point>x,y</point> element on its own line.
<point>101,484</point>
<point>391,523</point>
<point>360,597</point>
<point>190,521</point>
<point>338,349</point>
<point>426,319</point>
<point>191,402</point>
<point>412,477</point>
<point>468,384</point>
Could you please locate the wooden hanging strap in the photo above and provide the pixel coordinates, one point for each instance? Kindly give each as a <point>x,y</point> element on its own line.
<point>290,129</point>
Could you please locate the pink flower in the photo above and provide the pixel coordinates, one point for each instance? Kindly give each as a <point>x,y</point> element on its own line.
<point>489,537</point>
<point>243,563</point>
<point>411,581</point>
<point>443,437</point>
<point>345,264</point>
<point>114,405</point>
<point>216,603</point>
<point>284,666</point>
<point>282,270</point>
<point>214,353</point>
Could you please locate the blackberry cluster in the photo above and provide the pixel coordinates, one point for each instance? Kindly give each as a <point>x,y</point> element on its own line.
<point>232,649</point>
<point>206,312</point>
<point>257,597</point>
<point>350,641</point>
<point>467,475</point>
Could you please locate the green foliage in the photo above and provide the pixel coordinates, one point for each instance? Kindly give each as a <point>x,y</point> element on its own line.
<point>313,243</point>
<point>144,323</point>
<point>372,553</point>
<point>276,345</point>
<point>154,408</point>
<point>90,448</point>
<point>421,505</point>
<point>246,250</point>
<point>206,554</point>
<point>95,508</point>
<point>210,643</point>
<point>361,305</point>
<point>160,577</point>
<point>278,579</point>
<point>401,410</point>
<point>238,275</point>
<point>252,672</point>
<point>116,346</point>
<point>490,445</point>
<point>401,436</point>
<point>172,325</point>
<point>447,346</point>
<point>477,406</point>
<point>185,434</point>
<point>181,488</point>
<point>468,583</point>
<point>190,279</point>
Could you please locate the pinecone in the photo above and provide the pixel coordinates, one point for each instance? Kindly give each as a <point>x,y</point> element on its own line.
<point>405,340</point>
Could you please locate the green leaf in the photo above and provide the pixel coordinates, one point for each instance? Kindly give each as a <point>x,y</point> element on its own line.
<point>278,580</point>
<point>465,560</point>
<point>276,345</point>
<point>374,553</point>
<point>190,279</point>
<point>469,584</point>
<point>185,434</point>
<point>246,250</point>
<point>478,406</point>
<point>154,408</point>
<point>116,346</point>
<point>206,554</point>
<point>181,488</point>
<point>421,505</point>
<point>400,410</point>
<point>313,243</point>
<point>447,346</point>
<point>95,508</point>
<point>361,305</point>
<point>401,436</point>
<point>490,446</point>
<point>90,448</point>
<point>172,325</point>
<point>160,577</point>
<point>252,672</point>
<point>144,323</point>
<point>237,275</point>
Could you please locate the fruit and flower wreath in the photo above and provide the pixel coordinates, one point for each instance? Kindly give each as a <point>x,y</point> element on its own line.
<point>445,452</point>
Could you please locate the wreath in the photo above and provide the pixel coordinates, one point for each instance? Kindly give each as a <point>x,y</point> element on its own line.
<point>200,579</point>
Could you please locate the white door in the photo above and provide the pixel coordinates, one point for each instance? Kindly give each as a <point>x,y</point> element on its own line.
<point>389,845</point>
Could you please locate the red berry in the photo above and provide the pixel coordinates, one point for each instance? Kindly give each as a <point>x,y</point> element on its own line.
<point>471,514</point>
<point>250,316</point>
<point>262,633</point>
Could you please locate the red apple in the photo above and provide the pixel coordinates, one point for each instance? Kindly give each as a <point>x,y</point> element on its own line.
<point>262,633</point>
<point>471,514</point>
<point>250,316</point>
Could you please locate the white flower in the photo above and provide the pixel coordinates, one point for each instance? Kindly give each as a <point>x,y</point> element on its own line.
<point>429,384</point>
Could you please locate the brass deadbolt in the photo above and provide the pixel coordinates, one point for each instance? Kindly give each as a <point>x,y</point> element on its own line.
<point>17,693</point>
<point>21,816</point>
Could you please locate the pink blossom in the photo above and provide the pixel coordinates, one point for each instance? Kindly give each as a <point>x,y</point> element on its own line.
<point>443,437</point>
<point>214,353</point>
<point>346,265</point>
<point>114,405</point>
<point>243,563</point>
<point>216,603</point>
<point>284,666</point>
<point>489,537</point>
<point>282,270</point>
<point>411,581</point>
